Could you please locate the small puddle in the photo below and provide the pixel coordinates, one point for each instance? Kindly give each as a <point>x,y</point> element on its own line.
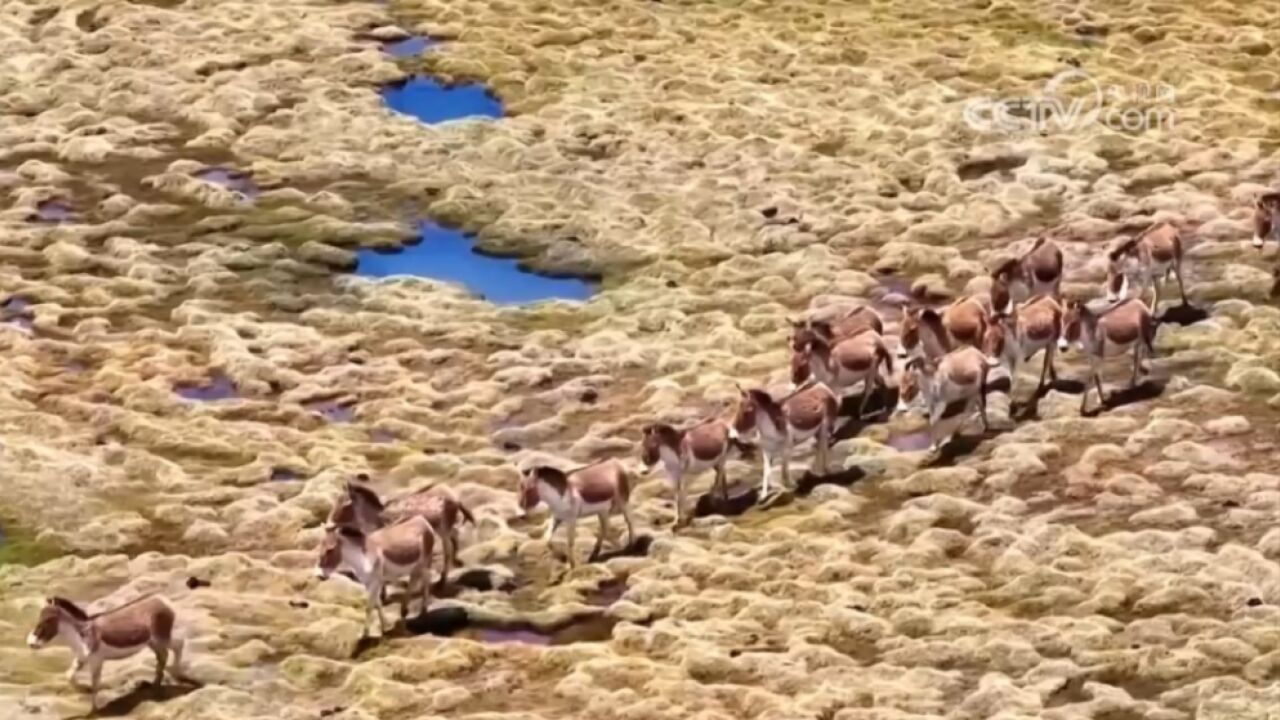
<point>283,475</point>
<point>409,47</point>
<point>333,411</point>
<point>608,593</point>
<point>382,436</point>
<point>236,180</point>
<point>55,211</point>
<point>430,101</point>
<point>17,311</point>
<point>218,387</point>
<point>910,441</point>
<point>450,255</point>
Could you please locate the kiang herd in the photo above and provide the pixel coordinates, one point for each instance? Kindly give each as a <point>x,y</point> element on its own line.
<point>940,357</point>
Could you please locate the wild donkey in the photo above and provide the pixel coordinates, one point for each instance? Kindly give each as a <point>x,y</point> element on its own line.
<point>926,333</point>
<point>1038,271</point>
<point>1266,218</point>
<point>361,508</point>
<point>850,323</point>
<point>809,412</point>
<point>960,375</point>
<point>1127,325</point>
<point>601,489</point>
<point>397,551</point>
<point>1150,256</point>
<point>842,363</point>
<point>689,452</point>
<point>147,622</point>
<point>1031,327</point>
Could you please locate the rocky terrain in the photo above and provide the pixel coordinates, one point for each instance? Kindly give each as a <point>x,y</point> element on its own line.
<point>188,374</point>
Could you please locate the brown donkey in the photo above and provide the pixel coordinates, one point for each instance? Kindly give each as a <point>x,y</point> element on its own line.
<point>1150,257</point>
<point>852,322</point>
<point>1031,327</point>
<point>926,333</point>
<point>1127,325</point>
<point>1038,271</point>
<point>390,553</point>
<point>147,622</point>
<point>689,452</point>
<point>841,364</point>
<point>360,507</point>
<point>960,375</point>
<point>601,489</point>
<point>809,412</point>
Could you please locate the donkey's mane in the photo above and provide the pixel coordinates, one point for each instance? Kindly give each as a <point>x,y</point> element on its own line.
<point>70,608</point>
<point>1127,246</point>
<point>118,608</point>
<point>1006,268</point>
<point>366,494</point>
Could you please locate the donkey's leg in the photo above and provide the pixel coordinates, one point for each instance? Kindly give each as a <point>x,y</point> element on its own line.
<point>603,517</point>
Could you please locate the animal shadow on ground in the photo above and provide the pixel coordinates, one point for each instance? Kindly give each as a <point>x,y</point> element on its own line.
<point>842,478</point>
<point>741,498</point>
<point>879,406</point>
<point>638,548</point>
<point>961,445</point>
<point>1029,409</point>
<point>481,579</point>
<point>1145,390</point>
<point>1185,314</point>
<point>442,621</point>
<point>146,691</point>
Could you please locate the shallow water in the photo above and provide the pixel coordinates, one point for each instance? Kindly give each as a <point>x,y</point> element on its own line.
<point>445,254</point>
<point>409,47</point>
<point>55,211</point>
<point>236,180</point>
<point>218,387</point>
<point>432,102</point>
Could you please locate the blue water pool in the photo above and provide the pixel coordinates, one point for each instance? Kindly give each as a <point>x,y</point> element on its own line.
<point>431,102</point>
<point>450,255</point>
